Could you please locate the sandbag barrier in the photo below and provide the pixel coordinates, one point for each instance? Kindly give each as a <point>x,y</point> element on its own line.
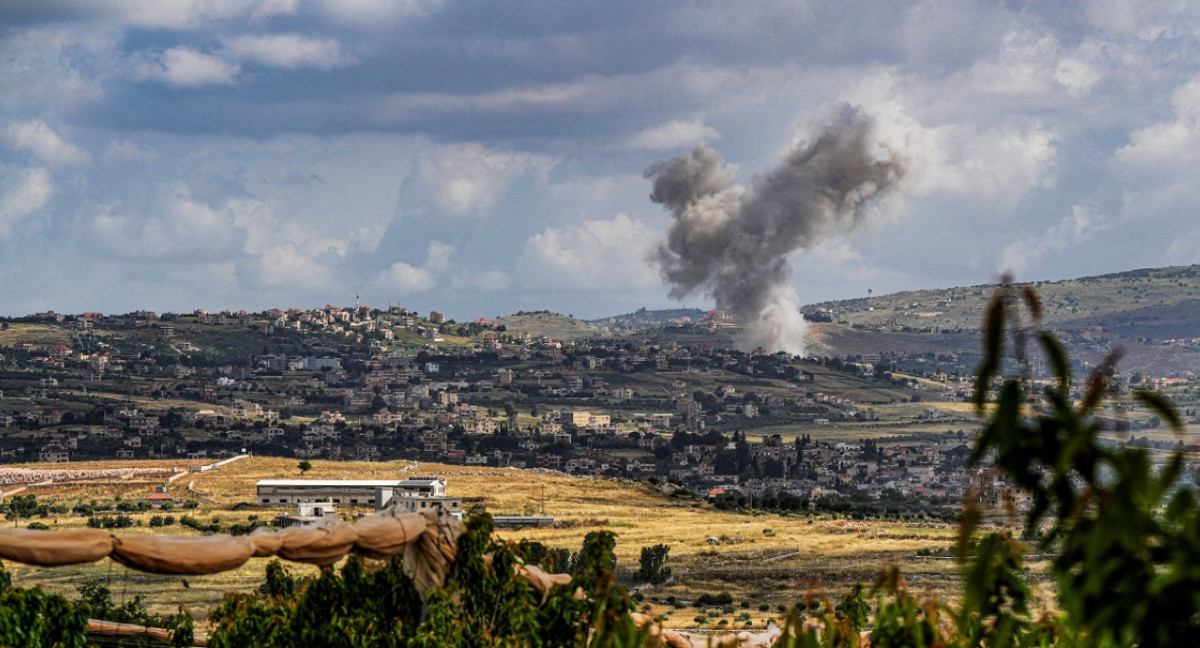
<point>112,628</point>
<point>426,540</point>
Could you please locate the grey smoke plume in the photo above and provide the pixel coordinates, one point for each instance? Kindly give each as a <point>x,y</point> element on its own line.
<point>734,242</point>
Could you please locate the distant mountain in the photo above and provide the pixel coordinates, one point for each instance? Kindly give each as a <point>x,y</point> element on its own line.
<point>643,318</point>
<point>1151,313</point>
<point>1158,294</point>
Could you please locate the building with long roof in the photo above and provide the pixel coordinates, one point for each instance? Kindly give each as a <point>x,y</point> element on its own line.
<point>413,494</point>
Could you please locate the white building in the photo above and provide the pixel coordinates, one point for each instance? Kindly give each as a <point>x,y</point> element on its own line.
<point>414,494</point>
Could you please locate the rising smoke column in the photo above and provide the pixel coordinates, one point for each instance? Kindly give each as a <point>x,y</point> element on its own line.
<point>734,242</point>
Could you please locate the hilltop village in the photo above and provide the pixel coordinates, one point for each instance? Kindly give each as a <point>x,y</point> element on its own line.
<point>671,404</point>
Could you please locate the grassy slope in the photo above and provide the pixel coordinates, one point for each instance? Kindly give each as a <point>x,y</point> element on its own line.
<point>551,325</point>
<point>817,553</point>
<point>1074,300</point>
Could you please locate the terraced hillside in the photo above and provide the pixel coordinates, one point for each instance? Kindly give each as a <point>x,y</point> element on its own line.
<point>1153,314</point>
<point>763,560</point>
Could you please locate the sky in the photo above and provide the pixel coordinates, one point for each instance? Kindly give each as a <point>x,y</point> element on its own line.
<point>483,158</point>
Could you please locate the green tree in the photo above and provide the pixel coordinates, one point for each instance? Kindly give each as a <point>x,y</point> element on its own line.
<point>304,466</point>
<point>652,567</point>
<point>21,507</point>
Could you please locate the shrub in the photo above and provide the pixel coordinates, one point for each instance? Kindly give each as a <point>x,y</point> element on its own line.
<point>706,599</point>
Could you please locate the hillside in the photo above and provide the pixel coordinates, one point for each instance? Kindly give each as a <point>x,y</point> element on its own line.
<point>764,559</point>
<point>540,324</point>
<point>1158,294</point>
<point>643,318</point>
<point>1153,314</point>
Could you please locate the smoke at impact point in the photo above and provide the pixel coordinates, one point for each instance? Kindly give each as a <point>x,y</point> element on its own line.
<point>734,242</point>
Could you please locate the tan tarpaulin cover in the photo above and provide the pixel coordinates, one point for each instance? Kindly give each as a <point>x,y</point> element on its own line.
<point>383,536</point>
<point>54,548</point>
<point>266,542</point>
<point>427,542</point>
<point>182,554</point>
<point>317,545</point>
<point>662,638</point>
<point>427,561</point>
<point>540,580</point>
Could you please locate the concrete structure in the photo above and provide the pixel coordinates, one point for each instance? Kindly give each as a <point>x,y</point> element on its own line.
<point>309,513</point>
<point>520,521</point>
<point>414,494</point>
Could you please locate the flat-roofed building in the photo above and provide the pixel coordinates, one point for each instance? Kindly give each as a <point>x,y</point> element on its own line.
<point>358,492</point>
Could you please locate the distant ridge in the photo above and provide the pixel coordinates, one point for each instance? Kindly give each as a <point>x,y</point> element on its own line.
<point>1152,314</point>
<point>643,318</point>
<point>1087,301</point>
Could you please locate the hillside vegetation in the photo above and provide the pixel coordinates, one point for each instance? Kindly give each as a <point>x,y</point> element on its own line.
<point>539,324</point>
<point>764,559</point>
<point>1146,297</point>
<point>1152,314</point>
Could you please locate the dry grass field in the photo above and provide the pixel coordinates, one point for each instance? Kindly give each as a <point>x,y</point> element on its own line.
<point>761,560</point>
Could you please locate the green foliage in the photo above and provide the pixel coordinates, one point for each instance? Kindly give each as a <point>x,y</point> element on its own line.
<point>1126,536</point>
<point>30,617</point>
<point>96,598</point>
<point>855,607</point>
<point>485,602</point>
<point>653,565</point>
<point>20,507</point>
<point>1123,532</point>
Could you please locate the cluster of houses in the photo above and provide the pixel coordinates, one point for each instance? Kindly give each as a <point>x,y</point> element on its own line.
<point>508,400</point>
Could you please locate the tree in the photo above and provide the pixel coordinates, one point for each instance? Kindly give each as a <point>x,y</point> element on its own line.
<point>304,466</point>
<point>653,567</point>
<point>20,507</point>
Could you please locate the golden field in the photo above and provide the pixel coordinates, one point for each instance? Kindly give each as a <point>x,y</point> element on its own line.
<point>760,559</point>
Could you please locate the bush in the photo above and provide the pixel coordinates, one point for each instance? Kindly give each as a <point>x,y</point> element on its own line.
<point>714,599</point>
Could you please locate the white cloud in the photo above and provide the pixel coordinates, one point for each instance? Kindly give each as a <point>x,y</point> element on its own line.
<point>38,138</point>
<point>1073,229</point>
<point>1185,249</point>
<point>1145,20</point>
<point>124,149</point>
<point>593,254</point>
<point>1020,67</point>
<point>487,280</point>
<point>377,14</point>
<point>32,191</point>
<point>286,267</point>
<point>406,278</point>
<point>184,14</point>
<point>1001,164</point>
<point>438,258</point>
<point>54,71</point>
<point>289,51</point>
<point>1167,149</point>
<point>961,154</point>
<point>674,134</point>
<point>1076,75</point>
<point>466,178</point>
<point>188,230</point>
<point>185,68</point>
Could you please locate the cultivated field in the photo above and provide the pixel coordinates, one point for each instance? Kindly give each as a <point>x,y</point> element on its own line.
<point>761,560</point>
